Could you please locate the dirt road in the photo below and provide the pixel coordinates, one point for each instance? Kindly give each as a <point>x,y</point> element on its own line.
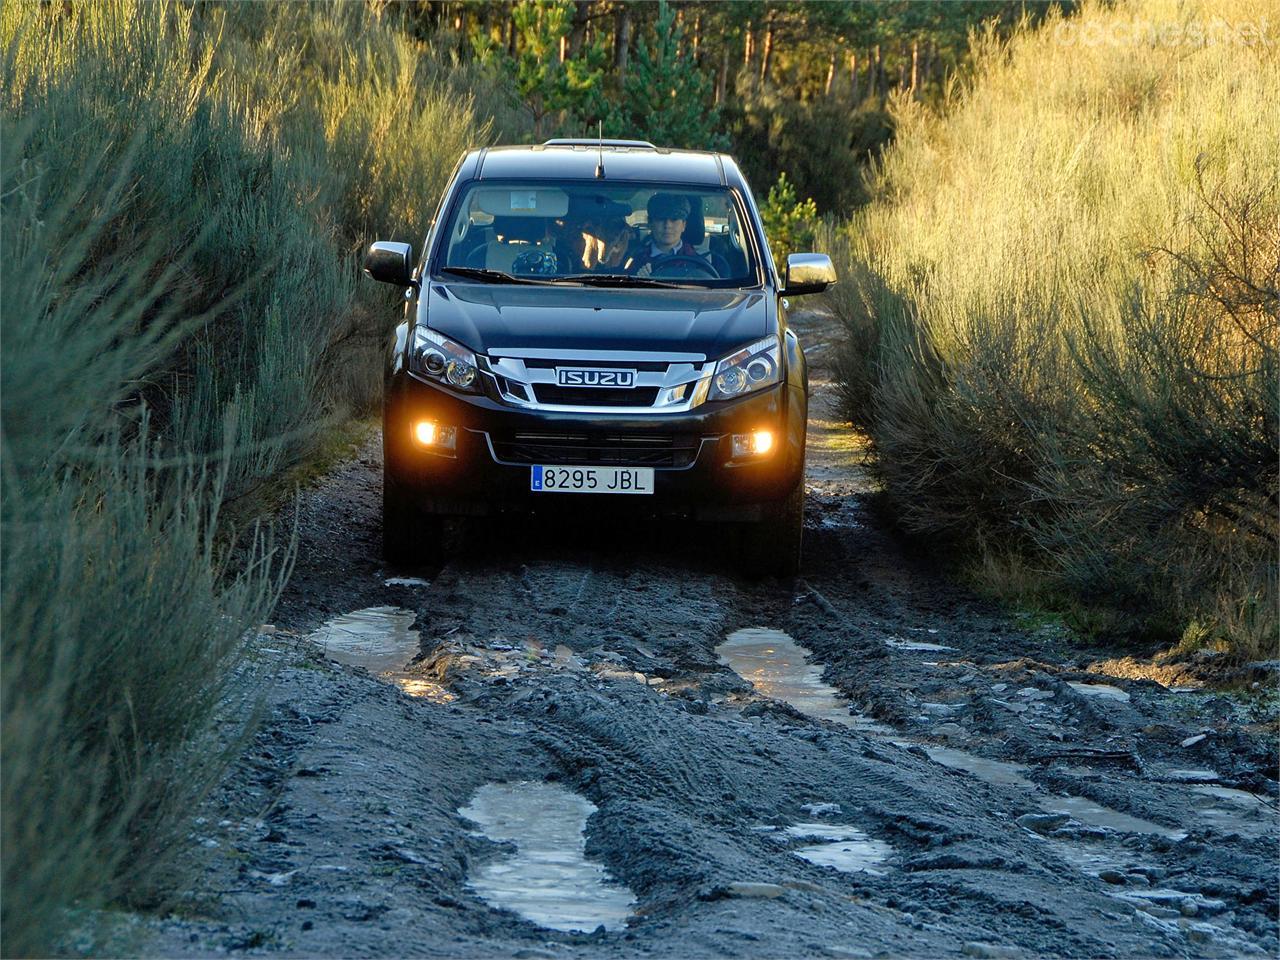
<point>577,763</point>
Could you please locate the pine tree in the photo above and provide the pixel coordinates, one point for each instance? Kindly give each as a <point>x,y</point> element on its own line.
<point>548,85</point>
<point>665,97</point>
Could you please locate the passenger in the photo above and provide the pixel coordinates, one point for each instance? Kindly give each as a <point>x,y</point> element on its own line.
<point>605,243</point>
<point>668,216</point>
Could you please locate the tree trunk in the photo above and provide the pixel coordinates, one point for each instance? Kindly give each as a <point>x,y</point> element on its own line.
<point>831,74</point>
<point>766,50</point>
<point>578,31</point>
<point>722,77</point>
<point>697,38</point>
<point>621,41</point>
<point>902,67</point>
<point>748,47</point>
<point>877,73</point>
<point>853,76</point>
<point>915,69</point>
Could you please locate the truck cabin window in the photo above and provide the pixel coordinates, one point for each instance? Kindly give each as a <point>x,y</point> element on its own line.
<point>572,230</point>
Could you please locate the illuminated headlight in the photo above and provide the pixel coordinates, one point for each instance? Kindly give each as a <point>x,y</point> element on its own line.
<point>755,444</point>
<point>441,359</point>
<point>428,433</point>
<point>752,367</point>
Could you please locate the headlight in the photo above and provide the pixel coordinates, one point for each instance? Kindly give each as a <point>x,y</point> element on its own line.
<point>751,368</point>
<point>441,359</point>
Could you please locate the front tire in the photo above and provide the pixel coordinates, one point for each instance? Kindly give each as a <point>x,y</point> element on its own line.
<point>409,535</point>
<point>772,546</point>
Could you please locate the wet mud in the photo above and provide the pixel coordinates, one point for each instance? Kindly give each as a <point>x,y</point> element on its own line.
<point>604,744</point>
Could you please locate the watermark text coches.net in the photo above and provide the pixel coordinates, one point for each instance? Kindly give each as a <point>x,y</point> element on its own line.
<point>1194,33</point>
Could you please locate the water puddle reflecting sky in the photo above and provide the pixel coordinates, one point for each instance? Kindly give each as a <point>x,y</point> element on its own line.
<point>549,879</point>
<point>990,771</point>
<point>845,848</point>
<point>1094,814</point>
<point>382,641</point>
<point>776,666</point>
<point>898,643</point>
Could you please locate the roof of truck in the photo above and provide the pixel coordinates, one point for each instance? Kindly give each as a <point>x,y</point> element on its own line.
<point>621,160</point>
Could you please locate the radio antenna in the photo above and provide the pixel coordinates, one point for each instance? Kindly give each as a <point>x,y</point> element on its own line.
<point>600,149</point>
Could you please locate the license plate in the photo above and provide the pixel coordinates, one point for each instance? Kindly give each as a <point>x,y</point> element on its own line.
<point>591,479</point>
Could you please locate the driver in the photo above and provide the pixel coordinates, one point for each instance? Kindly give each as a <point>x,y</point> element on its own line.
<point>668,215</point>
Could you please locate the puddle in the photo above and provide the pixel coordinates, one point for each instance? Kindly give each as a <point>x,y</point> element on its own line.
<point>405,582</point>
<point>1102,690</point>
<point>380,640</point>
<point>844,848</point>
<point>1228,810</point>
<point>991,771</point>
<point>776,666</point>
<point>376,638</point>
<point>897,643</point>
<point>1096,815</point>
<point>548,880</point>
<point>1230,793</point>
<point>426,689</point>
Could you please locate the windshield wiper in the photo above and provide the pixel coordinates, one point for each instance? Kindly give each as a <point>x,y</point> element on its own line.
<point>486,276</point>
<point>617,280</point>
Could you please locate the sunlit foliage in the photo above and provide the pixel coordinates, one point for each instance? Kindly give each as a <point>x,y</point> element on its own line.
<point>1062,311</point>
<point>184,192</point>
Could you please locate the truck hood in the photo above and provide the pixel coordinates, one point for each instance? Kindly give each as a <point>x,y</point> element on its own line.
<point>491,318</point>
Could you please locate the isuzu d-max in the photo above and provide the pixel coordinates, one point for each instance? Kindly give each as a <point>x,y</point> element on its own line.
<point>597,325</point>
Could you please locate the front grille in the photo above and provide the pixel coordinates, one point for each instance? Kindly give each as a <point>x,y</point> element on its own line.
<point>659,366</point>
<point>594,396</point>
<point>602,450</point>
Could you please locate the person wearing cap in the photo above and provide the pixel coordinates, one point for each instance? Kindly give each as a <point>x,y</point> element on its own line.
<point>668,216</point>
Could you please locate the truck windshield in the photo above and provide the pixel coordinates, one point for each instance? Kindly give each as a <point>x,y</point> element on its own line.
<point>571,231</point>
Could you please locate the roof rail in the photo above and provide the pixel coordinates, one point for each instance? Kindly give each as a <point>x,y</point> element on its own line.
<point>570,142</point>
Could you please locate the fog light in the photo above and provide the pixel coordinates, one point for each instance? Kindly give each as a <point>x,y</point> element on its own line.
<point>434,435</point>
<point>752,444</point>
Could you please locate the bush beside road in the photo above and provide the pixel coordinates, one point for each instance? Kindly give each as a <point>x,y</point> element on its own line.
<point>1061,315</point>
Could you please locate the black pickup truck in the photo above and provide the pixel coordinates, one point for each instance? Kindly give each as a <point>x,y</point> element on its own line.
<point>597,324</point>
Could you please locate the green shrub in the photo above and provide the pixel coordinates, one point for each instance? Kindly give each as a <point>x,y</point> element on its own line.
<point>184,195</point>
<point>790,224</point>
<point>1062,321</point>
<point>120,622</point>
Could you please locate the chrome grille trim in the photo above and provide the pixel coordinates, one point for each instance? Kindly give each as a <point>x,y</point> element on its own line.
<point>677,387</point>
<point>521,353</point>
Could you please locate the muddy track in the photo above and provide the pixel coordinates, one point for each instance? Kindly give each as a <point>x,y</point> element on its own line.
<point>1015,801</point>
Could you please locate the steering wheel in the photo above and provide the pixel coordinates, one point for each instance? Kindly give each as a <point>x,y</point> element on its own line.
<point>682,265</point>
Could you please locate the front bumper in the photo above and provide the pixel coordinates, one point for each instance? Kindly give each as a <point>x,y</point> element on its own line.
<point>694,473</point>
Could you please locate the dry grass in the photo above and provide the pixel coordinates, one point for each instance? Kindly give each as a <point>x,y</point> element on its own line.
<point>184,190</point>
<point>1063,313</point>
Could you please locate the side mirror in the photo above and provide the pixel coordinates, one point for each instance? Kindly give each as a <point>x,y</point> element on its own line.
<point>390,262</point>
<point>807,273</point>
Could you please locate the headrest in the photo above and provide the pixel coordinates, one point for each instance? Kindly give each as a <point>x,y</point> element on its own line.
<point>695,227</point>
